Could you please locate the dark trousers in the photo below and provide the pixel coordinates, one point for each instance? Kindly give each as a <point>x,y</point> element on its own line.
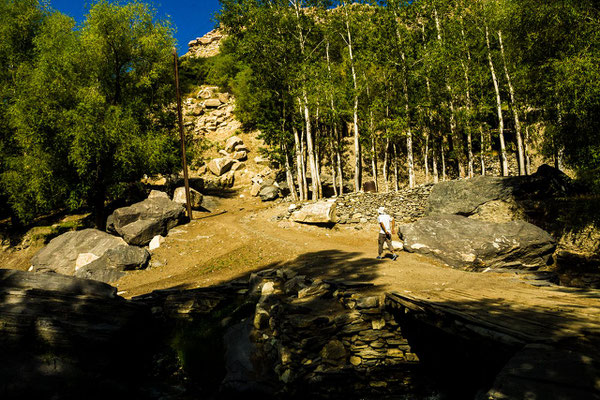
<point>383,238</point>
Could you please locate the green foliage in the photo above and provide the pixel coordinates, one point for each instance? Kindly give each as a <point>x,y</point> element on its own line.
<point>90,110</point>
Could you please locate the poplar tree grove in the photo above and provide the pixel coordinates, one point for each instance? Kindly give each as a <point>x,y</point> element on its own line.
<point>377,90</point>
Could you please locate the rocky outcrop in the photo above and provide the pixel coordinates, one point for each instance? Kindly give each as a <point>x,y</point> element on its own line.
<point>207,45</point>
<point>321,212</point>
<point>140,222</point>
<point>114,262</point>
<point>58,334</point>
<point>469,243</point>
<point>499,199</point>
<point>62,253</point>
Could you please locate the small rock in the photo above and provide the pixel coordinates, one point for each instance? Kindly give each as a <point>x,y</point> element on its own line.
<point>156,242</point>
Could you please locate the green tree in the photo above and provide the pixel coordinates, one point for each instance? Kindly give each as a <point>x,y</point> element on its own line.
<point>92,111</point>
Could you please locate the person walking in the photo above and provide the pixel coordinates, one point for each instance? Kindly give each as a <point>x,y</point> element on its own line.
<point>386,229</point>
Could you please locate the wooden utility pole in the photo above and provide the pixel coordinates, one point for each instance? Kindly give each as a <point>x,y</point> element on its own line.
<point>183,159</point>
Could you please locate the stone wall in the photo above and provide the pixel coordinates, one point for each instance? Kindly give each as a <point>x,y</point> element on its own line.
<point>406,205</point>
<point>327,338</point>
<point>286,335</point>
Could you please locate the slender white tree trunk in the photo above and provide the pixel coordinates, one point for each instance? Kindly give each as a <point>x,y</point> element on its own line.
<point>515,110</point>
<point>443,161</point>
<point>396,188</point>
<point>289,175</point>
<point>526,150</point>
<point>503,158</point>
<point>453,138</point>
<point>436,175</point>
<point>465,66</point>
<point>299,163</point>
<point>409,144</point>
<point>426,156</point>
<point>386,160</point>
<point>357,150</point>
<point>482,153</point>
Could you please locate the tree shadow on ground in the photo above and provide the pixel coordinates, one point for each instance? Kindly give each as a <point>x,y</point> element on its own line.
<point>462,344</point>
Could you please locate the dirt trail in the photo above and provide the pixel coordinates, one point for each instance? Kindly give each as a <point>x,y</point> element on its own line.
<point>241,235</point>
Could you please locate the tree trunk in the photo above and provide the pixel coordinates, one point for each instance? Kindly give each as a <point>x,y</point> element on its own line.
<point>396,188</point>
<point>443,161</point>
<point>515,110</point>
<point>436,176</point>
<point>357,152</point>
<point>453,137</point>
<point>288,173</point>
<point>299,163</point>
<point>314,175</point>
<point>468,95</point>
<point>526,150</point>
<point>426,156</point>
<point>374,162</point>
<point>409,145</point>
<point>482,153</point>
<point>386,164</point>
<point>503,158</point>
<point>332,144</point>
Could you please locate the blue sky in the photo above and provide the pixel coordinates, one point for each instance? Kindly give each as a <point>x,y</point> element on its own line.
<point>191,18</point>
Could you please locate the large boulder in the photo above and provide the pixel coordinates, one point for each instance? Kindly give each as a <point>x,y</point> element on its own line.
<point>321,212</point>
<point>195,197</point>
<point>464,242</point>
<point>219,166</point>
<point>269,193</point>
<point>111,265</point>
<point>140,222</point>
<point>499,199</point>
<point>60,334</point>
<point>61,254</point>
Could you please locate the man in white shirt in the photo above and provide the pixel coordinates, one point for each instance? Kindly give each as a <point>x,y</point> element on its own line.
<point>386,229</point>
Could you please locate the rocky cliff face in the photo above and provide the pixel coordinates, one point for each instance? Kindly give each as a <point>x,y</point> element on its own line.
<point>207,45</point>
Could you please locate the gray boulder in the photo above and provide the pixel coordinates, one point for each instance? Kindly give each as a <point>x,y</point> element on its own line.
<point>111,265</point>
<point>219,166</point>
<point>140,222</point>
<point>470,243</point>
<point>269,193</point>
<point>321,212</point>
<point>195,197</point>
<point>60,255</point>
<point>499,199</point>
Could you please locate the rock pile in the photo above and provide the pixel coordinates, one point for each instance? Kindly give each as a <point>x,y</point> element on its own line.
<point>210,111</point>
<point>265,185</point>
<point>207,45</point>
<point>407,205</point>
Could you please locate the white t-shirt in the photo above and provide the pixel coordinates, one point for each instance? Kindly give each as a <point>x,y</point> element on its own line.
<point>387,222</point>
